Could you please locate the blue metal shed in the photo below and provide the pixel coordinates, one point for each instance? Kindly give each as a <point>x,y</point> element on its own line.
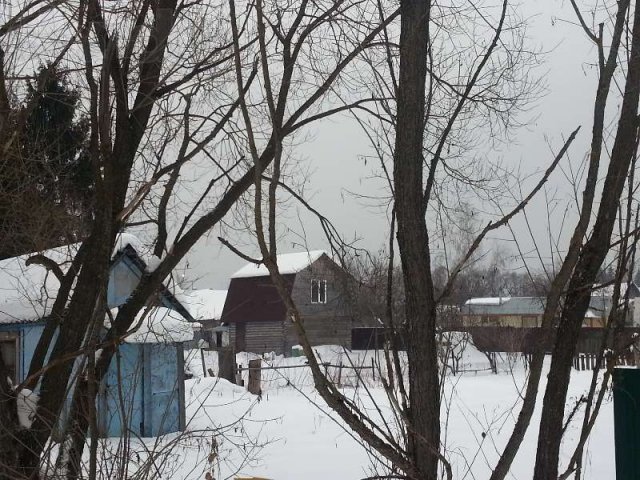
<point>149,400</point>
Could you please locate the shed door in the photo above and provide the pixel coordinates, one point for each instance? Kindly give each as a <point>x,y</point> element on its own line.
<point>121,403</point>
<point>162,413</point>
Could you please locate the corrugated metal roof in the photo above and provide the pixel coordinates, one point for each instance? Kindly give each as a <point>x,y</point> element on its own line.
<point>599,306</point>
<point>487,301</point>
<point>28,290</point>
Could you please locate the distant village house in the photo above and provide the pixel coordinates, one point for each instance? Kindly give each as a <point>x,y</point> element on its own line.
<point>512,323</point>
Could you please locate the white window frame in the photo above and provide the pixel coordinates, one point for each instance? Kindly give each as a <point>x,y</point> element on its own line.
<point>321,284</point>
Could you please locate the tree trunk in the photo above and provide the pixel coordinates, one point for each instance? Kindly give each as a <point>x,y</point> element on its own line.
<point>92,285</point>
<point>8,426</point>
<point>413,241</point>
<point>589,263</point>
<point>75,435</point>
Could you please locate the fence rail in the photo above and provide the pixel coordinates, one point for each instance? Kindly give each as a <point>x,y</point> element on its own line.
<point>257,367</point>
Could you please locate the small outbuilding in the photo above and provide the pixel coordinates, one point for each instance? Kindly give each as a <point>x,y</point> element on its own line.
<point>205,307</point>
<point>150,364</point>
<point>27,293</point>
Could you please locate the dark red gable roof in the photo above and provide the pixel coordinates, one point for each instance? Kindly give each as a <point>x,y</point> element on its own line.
<point>255,299</point>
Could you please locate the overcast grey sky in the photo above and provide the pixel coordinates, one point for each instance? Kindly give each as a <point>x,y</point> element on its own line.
<point>333,156</point>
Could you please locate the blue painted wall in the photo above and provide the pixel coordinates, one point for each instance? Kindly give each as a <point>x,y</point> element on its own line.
<point>120,400</point>
<point>165,377</point>
<point>123,279</point>
<point>143,389</point>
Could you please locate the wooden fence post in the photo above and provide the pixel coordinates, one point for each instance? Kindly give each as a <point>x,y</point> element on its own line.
<point>255,376</point>
<point>204,366</point>
<point>373,369</point>
<point>239,380</point>
<point>494,363</point>
<point>226,363</point>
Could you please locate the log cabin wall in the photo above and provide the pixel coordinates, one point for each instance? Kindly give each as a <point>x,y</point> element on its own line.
<point>259,337</point>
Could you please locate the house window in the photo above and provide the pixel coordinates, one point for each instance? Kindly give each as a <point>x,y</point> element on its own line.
<point>9,352</point>
<point>318,291</point>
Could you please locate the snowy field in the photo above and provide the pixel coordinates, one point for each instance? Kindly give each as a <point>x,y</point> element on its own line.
<point>288,433</point>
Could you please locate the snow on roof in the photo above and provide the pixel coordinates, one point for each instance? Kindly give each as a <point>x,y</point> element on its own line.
<point>591,314</point>
<point>27,292</point>
<point>160,325</point>
<point>487,301</point>
<point>288,263</point>
<point>600,290</point>
<point>123,239</point>
<point>205,304</point>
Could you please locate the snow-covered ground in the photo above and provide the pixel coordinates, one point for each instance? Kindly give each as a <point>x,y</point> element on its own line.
<point>288,433</point>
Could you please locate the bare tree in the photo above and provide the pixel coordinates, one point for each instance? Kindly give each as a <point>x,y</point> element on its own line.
<point>413,187</point>
<point>593,251</point>
<point>164,87</point>
<point>416,452</point>
<point>162,84</point>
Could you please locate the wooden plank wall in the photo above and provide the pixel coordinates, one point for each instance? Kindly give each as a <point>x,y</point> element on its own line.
<point>265,337</point>
<point>322,331</point>
<point>261,337</point>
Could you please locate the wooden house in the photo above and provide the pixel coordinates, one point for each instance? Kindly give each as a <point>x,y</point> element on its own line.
<point>321,291</point>
<point>27,294</point>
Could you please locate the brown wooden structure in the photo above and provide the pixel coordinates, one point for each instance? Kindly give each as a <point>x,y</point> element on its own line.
<point>322,292</point>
